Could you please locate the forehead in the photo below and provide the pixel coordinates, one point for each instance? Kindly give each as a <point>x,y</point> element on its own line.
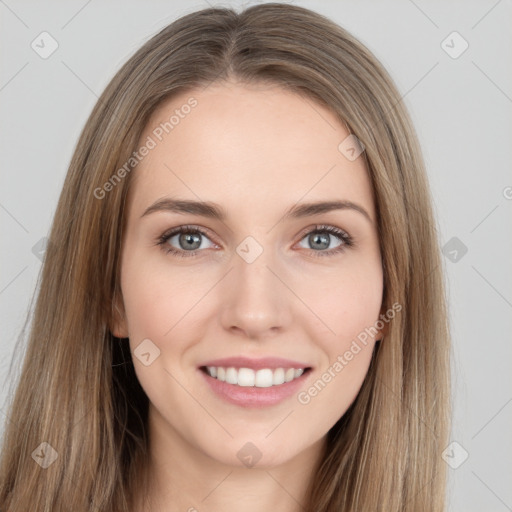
<point>247,146</point>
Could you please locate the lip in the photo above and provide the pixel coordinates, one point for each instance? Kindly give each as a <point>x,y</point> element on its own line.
<point>254,397</point>
<point>255,364</point>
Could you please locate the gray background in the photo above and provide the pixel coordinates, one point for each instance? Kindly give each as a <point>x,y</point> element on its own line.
<point>462,111</point>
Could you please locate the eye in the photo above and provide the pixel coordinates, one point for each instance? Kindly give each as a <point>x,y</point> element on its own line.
<point>320,238</point>
<point>189,240</point>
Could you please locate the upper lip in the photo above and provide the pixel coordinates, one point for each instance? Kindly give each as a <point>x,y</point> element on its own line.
<point>255,364</point>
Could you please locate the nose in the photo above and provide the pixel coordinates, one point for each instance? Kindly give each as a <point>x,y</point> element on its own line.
<point>255,302</point>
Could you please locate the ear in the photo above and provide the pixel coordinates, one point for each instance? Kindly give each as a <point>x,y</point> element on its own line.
<point>118,324</point>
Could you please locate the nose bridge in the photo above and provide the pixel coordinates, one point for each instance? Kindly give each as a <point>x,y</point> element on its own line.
<point>253,278</point>
<point>254,298</point>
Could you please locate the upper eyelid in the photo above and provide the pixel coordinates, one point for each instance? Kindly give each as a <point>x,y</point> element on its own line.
<point>323,227</point>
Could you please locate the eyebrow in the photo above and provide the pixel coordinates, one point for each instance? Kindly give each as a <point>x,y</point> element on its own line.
<point>215,211</point>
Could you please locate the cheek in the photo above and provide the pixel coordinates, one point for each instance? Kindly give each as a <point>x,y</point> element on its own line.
<point>349,307</point>
<point>346,302</point>
<point>159,306</point>
<point>156,299</point>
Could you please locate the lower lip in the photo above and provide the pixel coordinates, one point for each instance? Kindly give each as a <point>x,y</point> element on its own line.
<point>246,396</point>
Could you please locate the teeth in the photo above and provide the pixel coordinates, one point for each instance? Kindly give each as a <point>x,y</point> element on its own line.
<point>231,376</point>
<point>247,377</point>
<point>278,377</point>
<point>263,378</point>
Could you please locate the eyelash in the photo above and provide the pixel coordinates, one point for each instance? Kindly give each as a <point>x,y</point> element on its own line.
<point>342,235</point>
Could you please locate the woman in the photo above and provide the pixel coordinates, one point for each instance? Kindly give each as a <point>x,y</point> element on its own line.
<point>262,369</point>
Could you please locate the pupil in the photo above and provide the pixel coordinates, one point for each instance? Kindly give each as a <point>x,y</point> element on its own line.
<point>189,240</point>
<point>322,239</point>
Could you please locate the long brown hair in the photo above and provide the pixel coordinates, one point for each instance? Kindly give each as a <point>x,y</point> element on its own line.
<point>78,391</point>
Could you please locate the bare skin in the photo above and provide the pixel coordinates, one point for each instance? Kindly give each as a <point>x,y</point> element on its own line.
<point>256,151</point>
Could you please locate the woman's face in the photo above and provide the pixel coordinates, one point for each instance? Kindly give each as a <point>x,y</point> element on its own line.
<point>262,278</point>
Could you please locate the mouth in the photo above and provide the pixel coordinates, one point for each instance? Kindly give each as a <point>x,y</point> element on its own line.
<point>250,388</point>
<point>252,378</point>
